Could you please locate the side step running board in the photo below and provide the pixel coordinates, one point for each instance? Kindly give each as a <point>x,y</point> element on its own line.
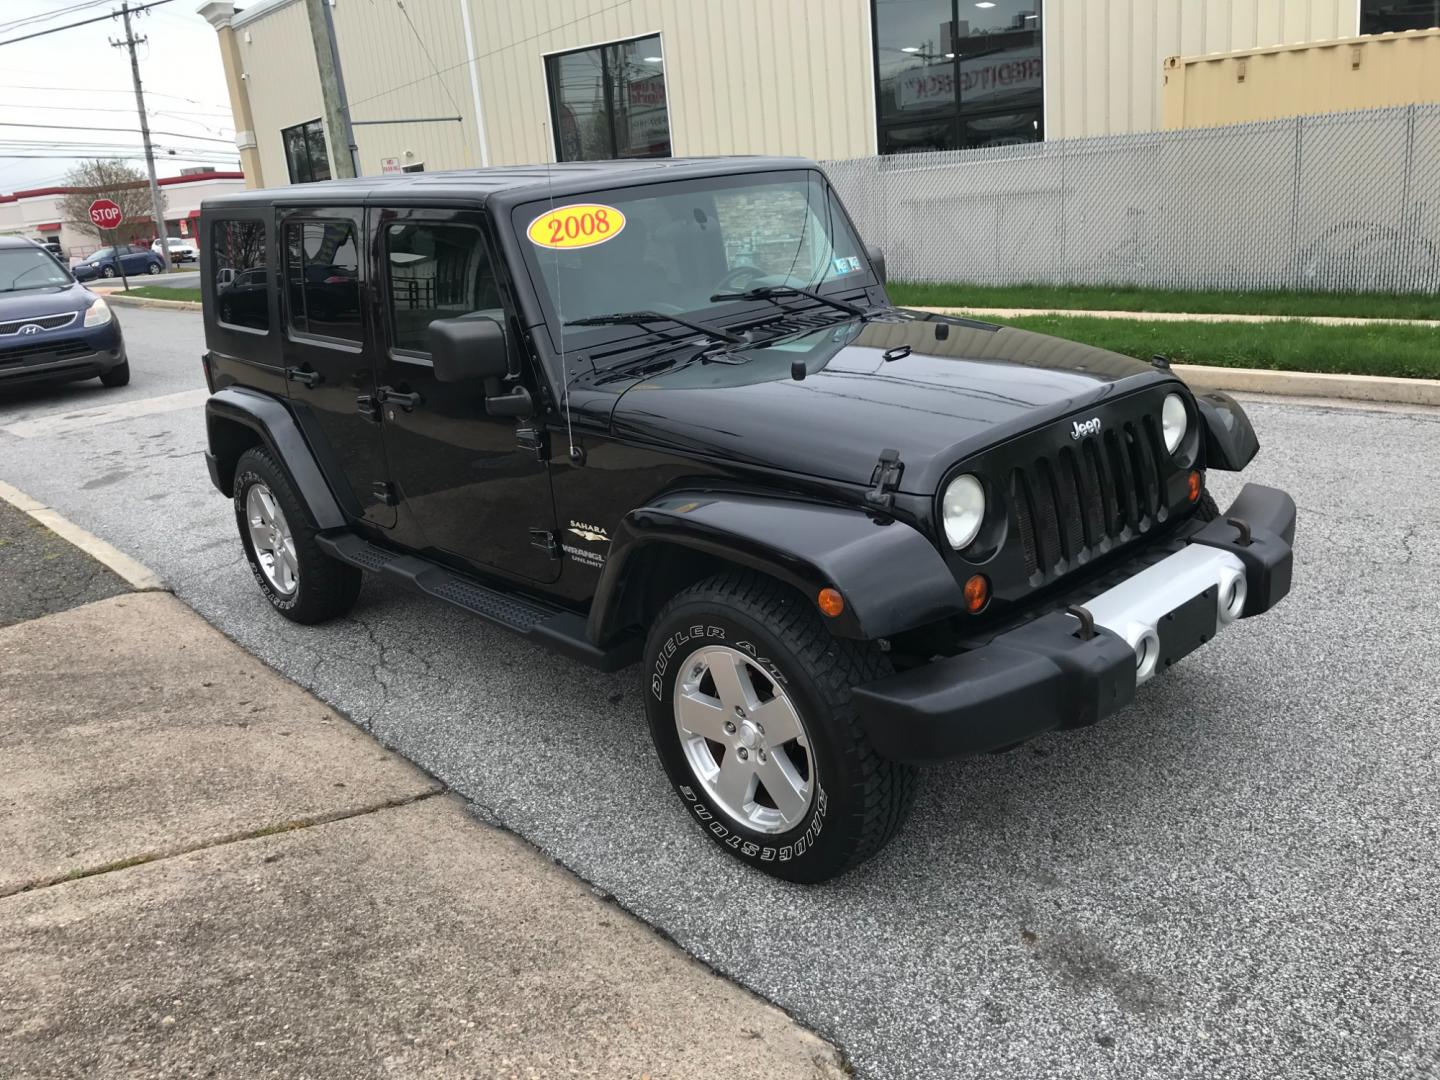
<point>563,631</point>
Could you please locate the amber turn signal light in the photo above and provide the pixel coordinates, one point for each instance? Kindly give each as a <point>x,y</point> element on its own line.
<point>977,593</point>
<point>831,602</point>
<point>1195,485</point>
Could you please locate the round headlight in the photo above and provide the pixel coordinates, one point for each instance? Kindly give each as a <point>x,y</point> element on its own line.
<point>963,510</point>
<point>1173,421</point>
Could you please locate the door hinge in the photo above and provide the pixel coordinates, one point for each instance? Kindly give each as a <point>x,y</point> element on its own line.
<point>534,439</point>
<point>885,480</point>
<point>368,407</point>
<point>385,493</point>
<point>546,541</point>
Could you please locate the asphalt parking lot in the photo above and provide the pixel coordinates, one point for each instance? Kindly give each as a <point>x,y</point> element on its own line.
<point>1236,878</point>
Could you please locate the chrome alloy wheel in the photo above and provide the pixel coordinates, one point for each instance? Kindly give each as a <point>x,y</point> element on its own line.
<point>271,538</point>
<point>744,740</point>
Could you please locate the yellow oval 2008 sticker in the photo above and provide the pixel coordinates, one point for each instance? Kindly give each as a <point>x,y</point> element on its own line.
<point>577,226</point>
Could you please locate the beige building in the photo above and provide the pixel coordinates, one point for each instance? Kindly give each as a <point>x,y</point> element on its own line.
<point>439,84</point>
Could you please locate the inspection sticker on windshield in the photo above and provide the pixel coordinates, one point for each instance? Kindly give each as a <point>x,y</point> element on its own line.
<point>576,226</point>
<point>847,265</point>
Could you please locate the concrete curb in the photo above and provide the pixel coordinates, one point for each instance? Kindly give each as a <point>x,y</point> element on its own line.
<point>136,576</point>
<point>1311,384</point>
<point>1176,316</point>
<point>145,301</point>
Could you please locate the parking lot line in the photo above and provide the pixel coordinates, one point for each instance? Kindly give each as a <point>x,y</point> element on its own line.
<point>60,423</point>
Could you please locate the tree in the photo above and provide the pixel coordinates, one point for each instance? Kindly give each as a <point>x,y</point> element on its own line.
<point>115,180</point>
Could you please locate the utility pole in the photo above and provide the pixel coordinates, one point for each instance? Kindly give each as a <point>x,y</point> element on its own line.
<point>157,210</point>
<point>332,90</point>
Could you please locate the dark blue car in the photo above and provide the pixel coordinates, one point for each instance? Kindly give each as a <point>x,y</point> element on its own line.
<point>52,327</point>
<point>107,262</point>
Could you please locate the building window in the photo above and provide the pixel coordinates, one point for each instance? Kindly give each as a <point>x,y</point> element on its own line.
<point>609,101</point>
<point>242,290</point>
<point>305,152</point>
<point>1387,16</point>
<point>956,74</point>
<point>436,272</point>
<point>322,279</point>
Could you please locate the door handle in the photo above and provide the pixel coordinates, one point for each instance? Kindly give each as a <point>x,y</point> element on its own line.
<point>387,395</point>
<point>304,378</point>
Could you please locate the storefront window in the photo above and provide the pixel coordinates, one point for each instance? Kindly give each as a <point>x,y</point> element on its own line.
<point>305,152</point>
<point>1386,16</point>
<point>609,102</point>
<point>955,74</point>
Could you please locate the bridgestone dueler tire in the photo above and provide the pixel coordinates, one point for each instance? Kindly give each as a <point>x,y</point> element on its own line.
<point>326,588</point>
<point>860,798</point>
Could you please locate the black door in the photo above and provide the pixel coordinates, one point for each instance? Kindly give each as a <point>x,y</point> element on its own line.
<point>330,359</point>
<point>471,491</point>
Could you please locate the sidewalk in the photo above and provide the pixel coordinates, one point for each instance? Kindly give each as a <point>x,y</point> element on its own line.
<point>206,871</point>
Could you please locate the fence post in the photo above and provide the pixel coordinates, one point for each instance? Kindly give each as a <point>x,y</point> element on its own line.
<point>1295,185</point>
<point>1406,224</point>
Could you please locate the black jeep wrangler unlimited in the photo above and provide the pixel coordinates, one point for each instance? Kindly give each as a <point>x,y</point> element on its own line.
<point>663,412</point>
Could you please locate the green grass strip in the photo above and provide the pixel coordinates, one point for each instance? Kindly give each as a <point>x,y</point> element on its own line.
<point>1090,298</point>
<point>1401,351</point>
<point>160,292</point>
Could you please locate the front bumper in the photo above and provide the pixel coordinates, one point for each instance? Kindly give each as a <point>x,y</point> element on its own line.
<point>1060,671</point>
<point>69,355</point>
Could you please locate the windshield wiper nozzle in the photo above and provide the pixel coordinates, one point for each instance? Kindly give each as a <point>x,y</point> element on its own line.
<point>621,318</point>
<point>774,292</point>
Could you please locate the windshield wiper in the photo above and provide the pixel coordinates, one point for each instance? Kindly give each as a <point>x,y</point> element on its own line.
<point>621,318</point>
<point>773,292</point>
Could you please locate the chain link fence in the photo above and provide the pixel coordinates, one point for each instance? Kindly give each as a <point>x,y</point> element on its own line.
<point>1342,202</point>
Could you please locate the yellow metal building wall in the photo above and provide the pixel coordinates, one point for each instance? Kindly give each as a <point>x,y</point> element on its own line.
<point>1265,84</point>
<point>1104,57</point>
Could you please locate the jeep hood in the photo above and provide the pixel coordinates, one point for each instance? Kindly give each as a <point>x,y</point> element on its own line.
<point>935,389</point>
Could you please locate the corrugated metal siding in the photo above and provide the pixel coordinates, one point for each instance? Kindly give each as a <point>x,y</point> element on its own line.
<point>742,77</point>
<point>1103,74</point>
<point>379,53</point>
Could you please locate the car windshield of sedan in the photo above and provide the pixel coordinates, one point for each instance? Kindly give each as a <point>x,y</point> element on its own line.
<point>670,248</point>
<point>29,268</point>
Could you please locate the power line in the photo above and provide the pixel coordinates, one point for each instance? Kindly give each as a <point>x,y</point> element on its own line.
<point>82,22</point>
<point>492,52</point>
<point>97,90</point>
<point>89,127</point>
<point>53,13</point>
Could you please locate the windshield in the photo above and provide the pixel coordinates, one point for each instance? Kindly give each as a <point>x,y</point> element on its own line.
<point>99,256</point>
<point>29,268</point>
<point>669,248</point>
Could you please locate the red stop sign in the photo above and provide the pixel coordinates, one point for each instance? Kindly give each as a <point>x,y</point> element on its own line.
<point>105,214</point>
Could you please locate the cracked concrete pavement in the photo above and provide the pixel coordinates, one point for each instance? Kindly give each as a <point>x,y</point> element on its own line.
<point>1234,878</point>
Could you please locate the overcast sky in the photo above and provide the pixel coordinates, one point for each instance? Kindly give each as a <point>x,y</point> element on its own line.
<point>74,77</point>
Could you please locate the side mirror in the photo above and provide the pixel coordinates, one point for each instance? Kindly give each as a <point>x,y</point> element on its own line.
<point>877,260</point>
<point>464,349</point>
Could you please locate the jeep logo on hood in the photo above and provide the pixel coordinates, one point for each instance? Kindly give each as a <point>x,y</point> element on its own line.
<point>1084,428</point>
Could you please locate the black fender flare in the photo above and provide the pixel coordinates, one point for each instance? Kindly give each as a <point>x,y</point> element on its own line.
<point>1230,440</point>
<point>280,434</point>
<point>891,576</point>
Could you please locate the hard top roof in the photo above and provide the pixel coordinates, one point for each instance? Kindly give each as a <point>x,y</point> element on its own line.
<point>501,186</point>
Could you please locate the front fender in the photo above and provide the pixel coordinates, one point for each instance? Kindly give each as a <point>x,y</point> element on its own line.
<point>891,576</point>
<point>1230,440</point>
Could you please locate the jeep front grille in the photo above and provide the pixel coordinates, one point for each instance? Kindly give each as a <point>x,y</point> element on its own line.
<point>1089,498</point>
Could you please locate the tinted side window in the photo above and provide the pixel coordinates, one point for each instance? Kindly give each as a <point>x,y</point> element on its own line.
<point>238,263</point>
<point>436,272</point>
<point>322,279</point>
